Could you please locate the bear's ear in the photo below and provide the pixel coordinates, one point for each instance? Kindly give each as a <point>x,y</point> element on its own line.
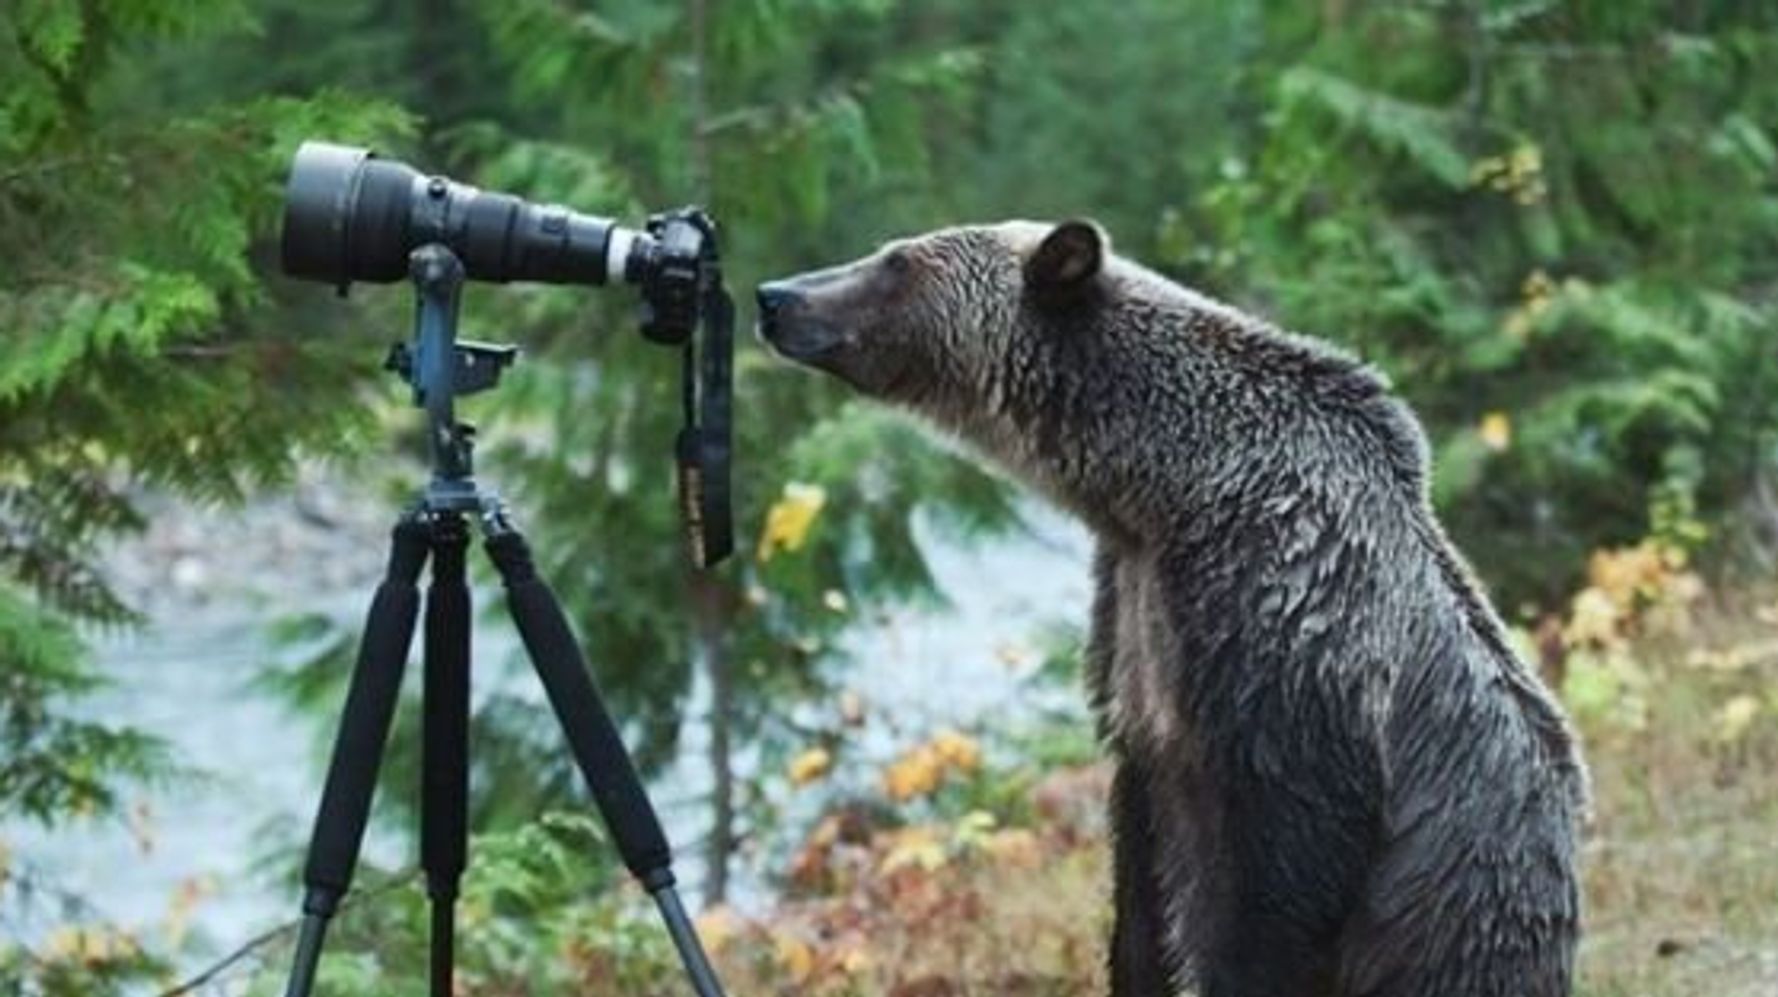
<point>1068,259</point>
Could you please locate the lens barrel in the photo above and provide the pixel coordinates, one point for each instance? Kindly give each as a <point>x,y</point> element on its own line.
<point>319,199</point>
<point>349,215</point>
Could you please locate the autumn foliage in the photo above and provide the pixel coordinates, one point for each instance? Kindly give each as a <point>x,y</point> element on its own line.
<point>934,908</point>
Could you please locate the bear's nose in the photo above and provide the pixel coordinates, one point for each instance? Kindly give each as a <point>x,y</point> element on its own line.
<point>774,298</point>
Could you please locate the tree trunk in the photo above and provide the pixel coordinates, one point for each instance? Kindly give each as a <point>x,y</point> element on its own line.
<point>701,176</point>
<point>709,594</point>
<point>710,597</point>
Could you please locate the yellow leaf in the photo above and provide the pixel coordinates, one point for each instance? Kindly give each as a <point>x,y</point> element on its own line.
<point>790,518</point>
<point>1537,288</point>
<point>92,947</point>
<point>718,926</point>
<point>1015,846</point>
<point>917,773</point>
<point>1735,717</point>
<point>958,751</point>
<point>795,957</point>
<point>63,944</point>
<point>973,828</point>
<point>826,833</point>
<point>1731,659</point>
<point>1526,161</point>
<point>1592,619</point>
<point>854,960</point>
<point>1496,431</point>
<point>914,847</point>
<point>1631,574</point>
<point>811,765</point>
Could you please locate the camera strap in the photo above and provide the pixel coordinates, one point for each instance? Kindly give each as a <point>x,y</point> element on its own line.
<point>705,443</point>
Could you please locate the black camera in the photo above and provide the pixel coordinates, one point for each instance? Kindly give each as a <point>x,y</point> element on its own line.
<point>350,215</point>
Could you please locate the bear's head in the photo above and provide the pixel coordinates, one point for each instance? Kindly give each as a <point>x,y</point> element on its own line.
<point>1124,396</point>
<point>945,323</point>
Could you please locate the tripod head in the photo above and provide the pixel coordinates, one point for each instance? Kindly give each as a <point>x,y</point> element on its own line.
<point>350,215</point>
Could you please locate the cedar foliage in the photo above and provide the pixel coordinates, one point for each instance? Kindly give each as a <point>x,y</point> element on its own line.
<point>137,351</point>
<point>1554,218</point>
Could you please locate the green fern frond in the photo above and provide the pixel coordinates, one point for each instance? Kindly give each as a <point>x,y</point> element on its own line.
<point>1419,134</point>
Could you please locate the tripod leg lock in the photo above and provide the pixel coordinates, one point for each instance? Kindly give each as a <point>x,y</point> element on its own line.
<point>321,902</point>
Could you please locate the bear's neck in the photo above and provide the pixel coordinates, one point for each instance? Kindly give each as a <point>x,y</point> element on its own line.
<point>1179,409</point>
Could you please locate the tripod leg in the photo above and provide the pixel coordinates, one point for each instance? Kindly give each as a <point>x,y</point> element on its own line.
<point>358,748</point>
<point>444,817</point>
<point>593,738</point>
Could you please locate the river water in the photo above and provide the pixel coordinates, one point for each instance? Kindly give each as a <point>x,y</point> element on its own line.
<point>205,857</point>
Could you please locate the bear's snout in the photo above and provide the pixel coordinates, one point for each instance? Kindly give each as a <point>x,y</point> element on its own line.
<point>786,322</point>
<point>775,297</point>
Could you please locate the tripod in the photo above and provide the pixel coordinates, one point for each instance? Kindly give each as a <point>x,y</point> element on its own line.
<point>437,529</point>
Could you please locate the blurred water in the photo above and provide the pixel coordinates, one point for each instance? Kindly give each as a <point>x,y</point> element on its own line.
<point>185,677</point>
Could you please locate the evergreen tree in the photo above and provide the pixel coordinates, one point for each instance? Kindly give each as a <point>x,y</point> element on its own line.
<point>1553,223</point>
<point>134,352</point>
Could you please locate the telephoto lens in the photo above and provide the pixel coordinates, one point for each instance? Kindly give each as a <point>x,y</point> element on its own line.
<point>351,215</point>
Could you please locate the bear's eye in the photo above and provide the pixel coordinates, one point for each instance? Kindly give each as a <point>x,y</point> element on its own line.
<point>898,262</point>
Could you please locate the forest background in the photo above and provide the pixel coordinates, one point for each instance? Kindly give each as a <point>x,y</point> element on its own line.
<point>1553,223</point>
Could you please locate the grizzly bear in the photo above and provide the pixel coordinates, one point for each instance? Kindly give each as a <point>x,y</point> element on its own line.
<point>1334,777</point>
